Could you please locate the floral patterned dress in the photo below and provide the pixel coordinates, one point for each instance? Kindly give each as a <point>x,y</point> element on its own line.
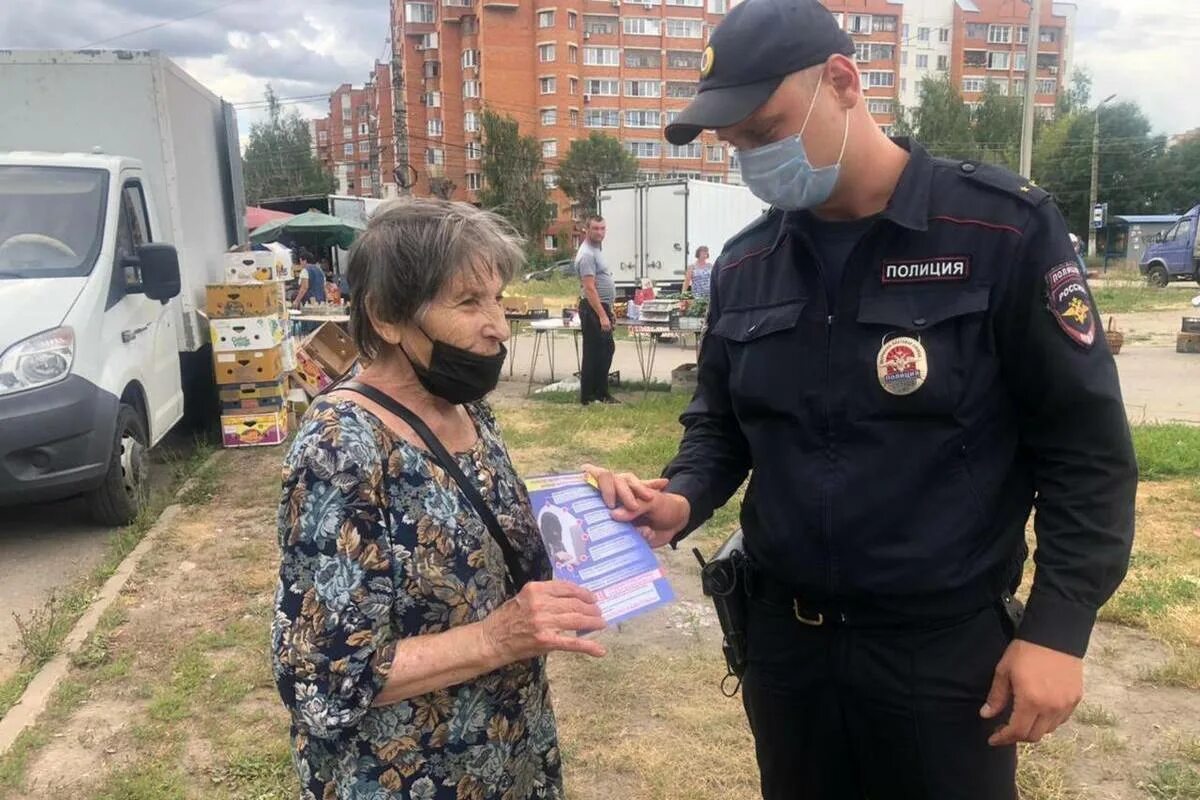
<point>378,544</point>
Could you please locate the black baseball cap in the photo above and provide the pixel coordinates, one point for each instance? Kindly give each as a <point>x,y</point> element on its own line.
<point>756,46</point>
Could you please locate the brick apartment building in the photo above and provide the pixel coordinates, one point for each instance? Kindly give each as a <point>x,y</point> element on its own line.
<point>564,68</point>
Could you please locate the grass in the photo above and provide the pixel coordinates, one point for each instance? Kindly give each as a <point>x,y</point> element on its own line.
<point>1167,451</point>
<point>1095,715</point>
<point>1171,780</point>
<point>43,631</point>
<point>1118,299</point>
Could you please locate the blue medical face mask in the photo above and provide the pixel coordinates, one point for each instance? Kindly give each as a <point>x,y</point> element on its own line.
<point>781,174</point>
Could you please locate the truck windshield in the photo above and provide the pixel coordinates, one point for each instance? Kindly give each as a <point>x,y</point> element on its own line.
<point>51,220</point>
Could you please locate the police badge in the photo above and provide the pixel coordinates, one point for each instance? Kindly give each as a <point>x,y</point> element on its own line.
<point>1069,302</point>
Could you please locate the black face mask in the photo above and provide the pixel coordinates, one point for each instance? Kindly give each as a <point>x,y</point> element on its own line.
<point>456,375</point>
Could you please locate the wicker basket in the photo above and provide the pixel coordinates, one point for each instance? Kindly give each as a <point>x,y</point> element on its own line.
<point>1114,336</point>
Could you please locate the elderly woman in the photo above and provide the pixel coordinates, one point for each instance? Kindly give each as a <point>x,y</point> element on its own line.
<point>410,655</point>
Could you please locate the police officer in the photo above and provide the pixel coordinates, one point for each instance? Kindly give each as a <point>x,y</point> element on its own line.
<point>904,357</point>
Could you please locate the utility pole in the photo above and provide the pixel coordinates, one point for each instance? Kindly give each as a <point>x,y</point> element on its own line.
<point>1095,191</point>
<point>399,107</point>
<point>1031,57</point>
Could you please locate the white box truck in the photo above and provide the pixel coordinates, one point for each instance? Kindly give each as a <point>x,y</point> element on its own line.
<point>120,189</point>
<point>655,228</point>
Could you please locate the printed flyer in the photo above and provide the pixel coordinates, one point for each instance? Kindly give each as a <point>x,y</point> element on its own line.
<point>589,548</point>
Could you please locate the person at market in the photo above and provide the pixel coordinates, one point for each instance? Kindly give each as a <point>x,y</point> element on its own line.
<point>312,280</point>
<point>409,665</point>
<point>597,293</point>
<point>905,358</point>
<point>698,276</point>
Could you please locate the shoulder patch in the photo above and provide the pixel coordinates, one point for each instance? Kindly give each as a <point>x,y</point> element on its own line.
<point>1003,180</point>
<point>1069,301</point>
<point>762,223</point>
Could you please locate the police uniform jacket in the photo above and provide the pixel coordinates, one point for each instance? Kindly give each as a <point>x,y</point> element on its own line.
<point>862,491</point>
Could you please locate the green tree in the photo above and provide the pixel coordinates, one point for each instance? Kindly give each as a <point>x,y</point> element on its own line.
<point>512,178</point>
<point>278,161</point>
<point>1179,175</point>
<point>941,120</point>
<point>1079,96</point>
<point>997,127</point>
<point>591,163</point>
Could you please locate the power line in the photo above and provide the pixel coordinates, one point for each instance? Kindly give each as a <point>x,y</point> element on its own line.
<point>164,23</point>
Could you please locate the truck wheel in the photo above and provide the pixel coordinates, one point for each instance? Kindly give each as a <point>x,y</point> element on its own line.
<point>1156,276</point>
<point>119,499</point>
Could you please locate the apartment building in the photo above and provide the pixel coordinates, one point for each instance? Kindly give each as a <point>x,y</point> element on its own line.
<point>356,142</point>
<point>927,37</point>
<point>875,26</point>
<point>562,69</point>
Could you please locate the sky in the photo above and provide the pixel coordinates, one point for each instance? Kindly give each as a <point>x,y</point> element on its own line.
<point>1142,50</point>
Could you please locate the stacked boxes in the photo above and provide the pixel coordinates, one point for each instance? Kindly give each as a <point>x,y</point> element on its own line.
<point>253,350</point>
<point>324,356</point>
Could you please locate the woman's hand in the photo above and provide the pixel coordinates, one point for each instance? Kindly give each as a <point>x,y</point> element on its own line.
<point>541,618</point>
<point>658,515</point>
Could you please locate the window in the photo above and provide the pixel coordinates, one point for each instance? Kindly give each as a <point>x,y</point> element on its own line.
<point>419,12</point>
<point>471,121</point>
<point>1020,61</point>
<point>427,41</point>
<point>601,26</point>
<point>643,88</point>
<point>322,138</point>
<point>1001,86</point>
<point>573,116</point>
<point>922,34</point>
<point>470,89</point>
<point>434,127</point>
<point>1049,35</point>
<point>648,176</point>
<point>549,148</point>
<point>685,28</point>
<point>644,149</point>
<point>683,59</point>
<point>718,6</point>
<point>601,118</point>
<point>572,54</point>
<point>642,119</point>
<point>364,147</point>
<point>840,19</point>
<point>715,153</point>
<point>1023,34</point>
<point>880,106</point>
<point>474,151</point>
<point>550,180</point>
<point>603,87</point>
<point>681,89</point>
<point>975,58</point>
<point>474,181</point>
<point>883,24</point>
<point>547,85</point>
<point>1018,87</point>
<point>883,52</point>
<point>1044,112</point>
<point>432,69</point>
<point>545,19</point>
<point>973,84</point>
<point>862,51</point>
<point>689,150</point>
<point>364,166</point>
<point>545,53</point>
<point>642,26</point>
<point>904,58</point>
<point>363,129</point>
<point>347,131</point>
<point>435,156</point>
<point>858,23</point>
<point>904,84</point>
<point>601,56</point>
<point>572,20</point>
<point>348,149</point>
<point>999,34</point>
<point>132,231</point>
<point>670,116</point>
<point>686,3</point>
<point>345,105</point>
<point>470,26</point>
<point>943,35</point>
<point>549,116</point>
<point>573,85</point>
<point>1047,86</point>
<point>1047,61</point>
<point>715,178</point>
<point>548,243</point>
<point>977,30</point>
<point>922,61</point>
<point>879,79</point>
<point>470,58</point>
<point>997,60</point>
<point>642,59</point>
<point>943,63</point>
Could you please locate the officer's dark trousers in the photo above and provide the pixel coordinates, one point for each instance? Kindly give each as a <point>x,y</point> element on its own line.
<point>842,713</point>
<point>598,348</point>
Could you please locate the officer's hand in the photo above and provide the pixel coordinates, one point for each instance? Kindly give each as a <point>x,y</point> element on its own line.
<point>658,515</point>
<point>1044,687</point>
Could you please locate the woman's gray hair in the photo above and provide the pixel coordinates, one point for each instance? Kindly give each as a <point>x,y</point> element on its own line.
<point>411,250</point>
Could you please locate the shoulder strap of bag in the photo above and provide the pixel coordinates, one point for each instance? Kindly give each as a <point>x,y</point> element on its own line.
<point>516,575</point>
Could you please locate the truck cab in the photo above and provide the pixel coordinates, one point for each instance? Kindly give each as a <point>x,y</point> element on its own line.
<point>1175,253</point>
<point>89,364</point>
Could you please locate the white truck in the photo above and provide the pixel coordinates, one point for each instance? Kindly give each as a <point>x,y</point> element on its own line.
<point>655,228</point>
<point>120,189</point>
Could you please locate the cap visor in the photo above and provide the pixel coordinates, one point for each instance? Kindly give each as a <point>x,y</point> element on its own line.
<point>720,108</point>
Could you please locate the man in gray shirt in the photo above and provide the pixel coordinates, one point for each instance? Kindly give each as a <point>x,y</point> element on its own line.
<point>596,296</point>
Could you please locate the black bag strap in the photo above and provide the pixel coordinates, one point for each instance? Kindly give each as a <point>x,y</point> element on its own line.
<point>516,574</point>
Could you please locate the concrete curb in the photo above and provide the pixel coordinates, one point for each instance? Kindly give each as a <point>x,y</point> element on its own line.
<point>37,694</point>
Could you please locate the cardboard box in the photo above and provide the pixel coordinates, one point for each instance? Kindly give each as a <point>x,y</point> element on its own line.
<point>255,266</point>
<point>249,366</point>
<point>288,353</point>
<point>309,374</point>
<point>253,430</point>
<point>248,333</point>
<point>523,305</point>
<point>248,396</point>
<point>228,300</point>
<point>332,348</point>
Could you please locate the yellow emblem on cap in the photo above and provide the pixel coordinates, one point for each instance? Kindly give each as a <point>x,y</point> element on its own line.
<point>706,62</point>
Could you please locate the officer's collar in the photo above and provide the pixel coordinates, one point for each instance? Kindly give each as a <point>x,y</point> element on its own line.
<point>909,206</point>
